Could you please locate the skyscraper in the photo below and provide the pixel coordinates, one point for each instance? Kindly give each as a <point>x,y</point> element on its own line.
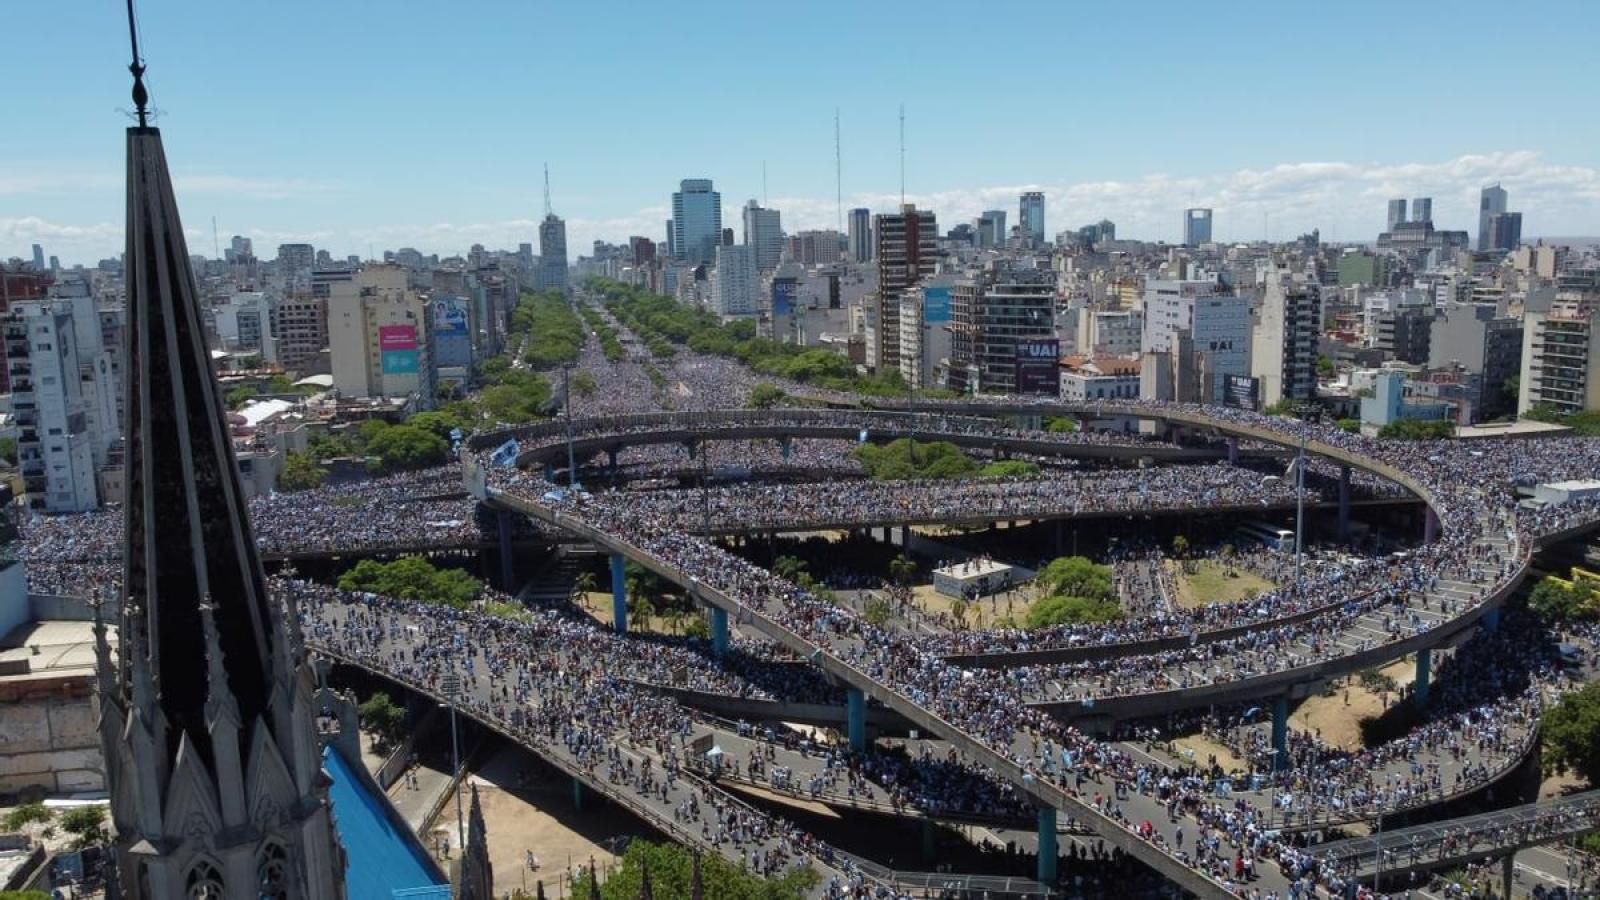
<point>1422,209</point>
<point>552,253</point>
<point>991,228</point>
<point>38,258</point>
<point>696,221</point>
<point>907,250</point>
<point>1030,216</point>
<point>734,283</point>
<point>1397,213</point>
<point>763,233</point>
<point>860,229</point>
<point>1505,231</point>
<point>1196,227</point>
<point>1491,202</point>
<point>206,711</point>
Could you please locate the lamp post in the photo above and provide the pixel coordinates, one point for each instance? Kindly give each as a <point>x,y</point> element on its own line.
<point>566,401</point>
<point>451,685</point>
<point>1299,509</point>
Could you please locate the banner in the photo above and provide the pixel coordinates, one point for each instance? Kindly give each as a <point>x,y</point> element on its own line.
<point>505,454</point>
<point>397,337</point>
<point>449,318</point>
<point>400,362</point>
<point>1039,366</point>
<point>784,291</point>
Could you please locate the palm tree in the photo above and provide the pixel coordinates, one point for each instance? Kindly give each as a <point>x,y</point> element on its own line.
<point>958,611</point>
<point>901,569</point>
<point>583,584</point>
<point>643,609</point>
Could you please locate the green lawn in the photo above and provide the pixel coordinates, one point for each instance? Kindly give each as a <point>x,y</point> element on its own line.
<point>1211,582</point>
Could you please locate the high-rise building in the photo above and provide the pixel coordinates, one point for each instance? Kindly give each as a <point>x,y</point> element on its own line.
<point>1000,318</point>
<point>38,258</point>
<point>696,221</point>
<point>552,254</point>
<point>1422,209</point>
<point>763,233</point>
<point>1561,357</point>
<point>906,246</point>
<point>206,711</point>
<point>377,336</point>
<point>300,330</point>
<point>1283,350</point>
<point>55,445</point>
<point>991,228</point>
<point>1030,216</point>
<point>1505,231</point>
<point>1201,333</point>
<point>735,284</point>
<point>1491,202</point>
<point>1196,227</point>
<point>815,248</point>
<point>295,261</point>
<point>1397,213</point>
<point>860,229</point>
<point>240,249</point>
<point>642,249</point>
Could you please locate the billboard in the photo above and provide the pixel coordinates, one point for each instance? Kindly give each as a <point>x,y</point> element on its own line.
<point>1241,391</point>
<point>784,291</point>
<point>397,337</point>
<point>936,305</point>
<point>449,318</point>
<point>1038,366</point>
<point>400,362</point>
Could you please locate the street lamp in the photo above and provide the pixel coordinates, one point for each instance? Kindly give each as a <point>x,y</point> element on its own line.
<point>566,402</point>
<point>451,685</point>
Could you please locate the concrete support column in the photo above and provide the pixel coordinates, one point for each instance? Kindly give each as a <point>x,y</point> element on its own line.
<point>1344,503</point>
<point>619,594</point>
<point>1059,526</point>
<point>577,795</point>
<point>611,458</point>
<point>1419,687</point>
<point>1280,733</point>
<point>788,448</point>
<point>1047,845</point>
<point>503,520</point>
<point>1430,526</point>
<point>1233,451</point>
<point>1508,873</point>
<point>719,630</point>
<point>930,844</point>
<point>856,717</point>
<point>905,537</point>
<point>1491,620</point>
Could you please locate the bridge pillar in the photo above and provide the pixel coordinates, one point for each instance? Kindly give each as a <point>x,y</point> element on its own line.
<point>1047,845</point>
<point>1059,527</point>
<point>691,446</point>
<point>719,630</point>
<point>619,594</point>
<point>611,458</point>
<point>1508,873</point>
<point>856,718</point>
<point>1430,526</point>
<point>1344,503</point>
<point>1280,733</point>
<point>905,537</point>
<point>577,795</point>
<point>507,575</point>
<point>788,448</point>
<point>1233,451</point>
<point>930,846</point>
<point>1491,620</point>
<point>1419,687</point>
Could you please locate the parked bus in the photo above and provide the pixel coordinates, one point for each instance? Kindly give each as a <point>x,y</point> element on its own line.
<point>1268,535</point>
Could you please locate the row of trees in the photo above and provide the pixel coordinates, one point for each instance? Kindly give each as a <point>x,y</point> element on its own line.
<point>672,874</point>
<point>906,459</point>
<point>553,333</point>
<point>413,578</point>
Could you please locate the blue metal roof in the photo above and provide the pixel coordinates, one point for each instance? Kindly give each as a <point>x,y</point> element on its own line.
<point>384,862</point>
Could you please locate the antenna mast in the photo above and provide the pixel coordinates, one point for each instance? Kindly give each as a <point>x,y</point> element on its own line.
<point>902,154</point>
<point>141,97</point>
<point>216,242</point>
<point>547,190</point>
<point>838,170</point>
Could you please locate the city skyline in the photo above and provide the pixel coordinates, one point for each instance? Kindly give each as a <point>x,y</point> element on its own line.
<point>1133,140</point>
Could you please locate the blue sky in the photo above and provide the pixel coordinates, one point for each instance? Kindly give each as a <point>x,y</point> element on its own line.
<point>357,123</point>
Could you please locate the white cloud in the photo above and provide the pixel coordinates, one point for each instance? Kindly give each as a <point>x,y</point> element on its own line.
<point>250,187</point>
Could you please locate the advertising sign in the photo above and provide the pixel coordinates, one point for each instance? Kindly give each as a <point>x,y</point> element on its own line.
<point>449,318</point>
<point>397,337</point>
<point>1038,366</point>
<point>784,291</point>
<point>400,362</point>
<point>936,305</point>
<point>1241,391</point>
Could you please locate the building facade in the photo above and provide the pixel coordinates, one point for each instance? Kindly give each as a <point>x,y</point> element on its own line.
<point>1196,227</point>
<point>860,230</point>
<point>735,283</point>
<point>552,254</point>
<point>696,221</point>
<point>1561,358</point>
<point>378,337</point>
<point>763,232</point>
<point>1283,352</point>
<point>1030,216</point>
<point>906,247</point>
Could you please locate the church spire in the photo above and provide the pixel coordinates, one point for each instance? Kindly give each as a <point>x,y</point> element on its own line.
<point>206,720</point>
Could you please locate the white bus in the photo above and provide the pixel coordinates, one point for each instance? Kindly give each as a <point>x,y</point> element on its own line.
<point>1269,535</point>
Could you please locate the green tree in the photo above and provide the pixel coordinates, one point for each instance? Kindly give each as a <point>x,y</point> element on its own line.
<point>789,567</point>
<point>582,383</point>
<point>1064,610</point>
<point>1571,733</point>
<point>300,472</point>
<point>1325,367</point>
<point>86,824</point>
<point>401,447</point>
<point>902,569</point>
<point>765,396</point>
<point>1077,576</point>
<point>1009,468</point>
<point>27,814</point>
<point>1060,425</point>
<point>24,895</point>
<point>1416,430</point>
<point>8,450</point>
<point>958,611</point>
<point>412,578</point>
<point>877,611</point>
<point>1556,602</point>
<point>384,719</point>
<point>441,422</point>
<point>239,396</point>
<point>1180,546</point>
<point>1353,426</point>
<point>672,875</point>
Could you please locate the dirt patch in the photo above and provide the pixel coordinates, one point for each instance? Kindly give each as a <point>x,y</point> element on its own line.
<point>1198,749</point>
<point>1211,581</point>
<point>1337,717</point>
